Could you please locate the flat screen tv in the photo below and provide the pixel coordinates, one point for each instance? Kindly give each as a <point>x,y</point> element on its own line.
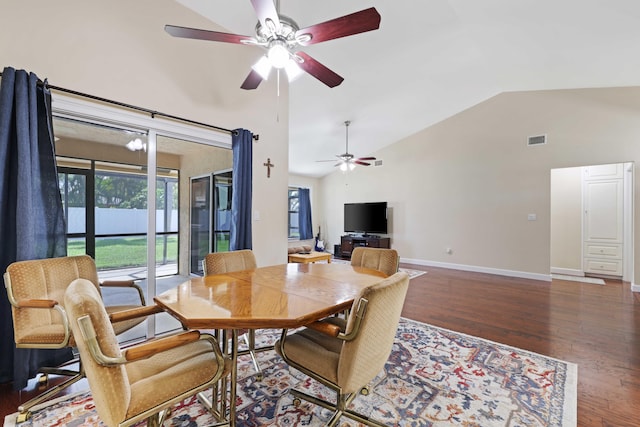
<point>365,218</point>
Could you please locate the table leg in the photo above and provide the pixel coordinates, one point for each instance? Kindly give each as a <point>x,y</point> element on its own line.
<point>234,378</point>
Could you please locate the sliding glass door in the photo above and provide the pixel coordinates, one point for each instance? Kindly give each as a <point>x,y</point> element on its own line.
<point>222,182</point>
<point>210,211</point>
<point>200,212</point>
<point>125,186</point>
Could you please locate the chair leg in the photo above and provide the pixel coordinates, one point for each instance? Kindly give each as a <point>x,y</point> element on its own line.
<point>340,409</point>
<point>153,420</point>
<point>58,371</point>
<point>337,409</point>
<point>312,399</point>
<point>362,419</point>
<point>346,399</point>
<point>44,372</point>
<point>250,339</point>
<point>334,418</point>
<point>24,409</point>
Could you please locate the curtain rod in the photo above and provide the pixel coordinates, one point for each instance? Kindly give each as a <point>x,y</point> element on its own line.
<point>152,113</point>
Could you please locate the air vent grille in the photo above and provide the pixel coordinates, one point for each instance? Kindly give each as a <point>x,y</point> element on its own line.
<point>537,140</point>
<point>377,163</point>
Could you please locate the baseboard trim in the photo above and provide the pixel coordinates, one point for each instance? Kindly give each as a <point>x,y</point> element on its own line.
<point>567,271</point>
<point>478,269</point>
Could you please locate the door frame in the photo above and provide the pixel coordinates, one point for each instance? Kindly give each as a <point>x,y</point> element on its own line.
<point>628,225</point>
<point>627,220</point>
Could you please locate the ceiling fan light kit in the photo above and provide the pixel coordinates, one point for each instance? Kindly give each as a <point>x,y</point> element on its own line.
<point>344,167</point>
<point>262,67</point>
<point>293,70</point>
<point>278,54</point>
<point>281,37</point>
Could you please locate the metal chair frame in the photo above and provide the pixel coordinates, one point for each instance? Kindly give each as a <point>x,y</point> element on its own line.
<point>52,305</point>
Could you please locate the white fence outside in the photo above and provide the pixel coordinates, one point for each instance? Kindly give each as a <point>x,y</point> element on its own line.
<point>120,221</point>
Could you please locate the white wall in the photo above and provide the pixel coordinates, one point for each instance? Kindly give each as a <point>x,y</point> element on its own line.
<point>119,50</point>
<point>469,182</point>
<point>566,220</point>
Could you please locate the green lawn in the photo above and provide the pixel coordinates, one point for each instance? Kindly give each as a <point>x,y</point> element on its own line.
<point>125,251</point>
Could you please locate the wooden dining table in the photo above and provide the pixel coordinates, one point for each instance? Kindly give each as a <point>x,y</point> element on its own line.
<point>273,297</point>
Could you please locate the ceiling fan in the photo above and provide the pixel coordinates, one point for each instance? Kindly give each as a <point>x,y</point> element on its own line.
<point>281,37</point>
<point>348,161</point>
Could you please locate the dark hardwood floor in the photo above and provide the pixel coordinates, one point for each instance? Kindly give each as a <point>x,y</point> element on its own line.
<point>597,327</point>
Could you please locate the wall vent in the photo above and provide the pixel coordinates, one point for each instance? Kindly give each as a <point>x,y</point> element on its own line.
<point>537,140</point>
<point>377,163</point>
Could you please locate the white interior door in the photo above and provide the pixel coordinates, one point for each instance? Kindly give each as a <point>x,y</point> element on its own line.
<point>603,199</point>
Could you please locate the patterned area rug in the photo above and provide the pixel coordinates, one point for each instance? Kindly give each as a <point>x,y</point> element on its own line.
<point>434,377</point>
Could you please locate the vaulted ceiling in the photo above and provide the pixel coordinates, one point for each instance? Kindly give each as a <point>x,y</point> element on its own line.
<point>432,59</point>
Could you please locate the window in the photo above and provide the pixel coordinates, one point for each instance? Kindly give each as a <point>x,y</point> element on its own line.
<point>106,213</point>
<point>294,207</point>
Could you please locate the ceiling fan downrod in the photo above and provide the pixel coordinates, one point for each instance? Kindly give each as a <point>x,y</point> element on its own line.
<point>346,125</point>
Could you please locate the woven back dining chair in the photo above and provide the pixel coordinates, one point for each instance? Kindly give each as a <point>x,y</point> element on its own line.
<point>228,262</point>
<point>384,260</point>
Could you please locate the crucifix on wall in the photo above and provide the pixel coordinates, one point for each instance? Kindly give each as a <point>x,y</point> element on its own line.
<point>269,165</point>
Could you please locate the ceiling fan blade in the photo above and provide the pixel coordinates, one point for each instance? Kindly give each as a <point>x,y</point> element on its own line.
<point>355,23</point>
<point>318,70</point>
<point>366,158</point>
<point>215,36</point>
<point>266,11</point>
<point>358,162</point>
<point>252,81</point>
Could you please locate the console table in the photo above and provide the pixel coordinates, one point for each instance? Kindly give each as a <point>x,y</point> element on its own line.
<point>347,243</point>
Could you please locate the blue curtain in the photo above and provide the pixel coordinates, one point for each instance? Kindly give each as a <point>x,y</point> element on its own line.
<point>31,216</point>
<point>241,145</point>
<point>304,214</point>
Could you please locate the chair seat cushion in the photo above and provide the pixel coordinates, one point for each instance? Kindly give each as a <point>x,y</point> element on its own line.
<point>162,377</point>
<point>316,351</point>
<point>44,334</point>
<point>54,333</point>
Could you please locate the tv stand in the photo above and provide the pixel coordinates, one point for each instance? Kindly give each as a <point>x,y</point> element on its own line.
<point>348,242</point>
